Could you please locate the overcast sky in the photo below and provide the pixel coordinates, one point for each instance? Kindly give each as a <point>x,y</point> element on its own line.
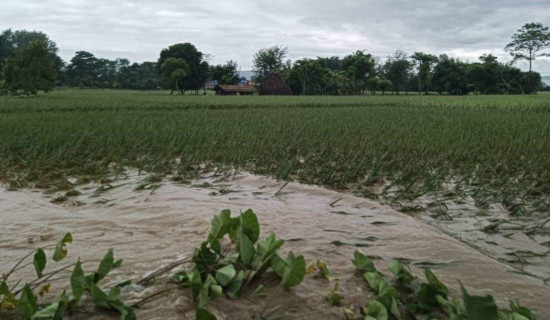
<point>235,30</point>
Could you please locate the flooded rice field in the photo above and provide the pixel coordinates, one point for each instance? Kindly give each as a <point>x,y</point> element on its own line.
<point>151,225</point>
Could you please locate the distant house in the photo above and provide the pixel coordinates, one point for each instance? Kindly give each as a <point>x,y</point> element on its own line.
<point>225,90</point>
<point>210,85</point>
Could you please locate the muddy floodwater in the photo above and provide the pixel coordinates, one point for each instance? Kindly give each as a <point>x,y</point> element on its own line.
<point>152,228</point>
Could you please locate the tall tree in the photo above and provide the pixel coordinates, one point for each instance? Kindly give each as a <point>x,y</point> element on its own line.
<point>198,67</point>
<point>83,71</point>
<point>30,69</point>
<point>175,72</point>
<point>226,73</point>
<point>373,84</point>
<point>268,60</point>
<point>12,41</point>
<point>397,69</point>
<point>311,77</point>
<point>138,76</point>
<point>528,42</point>
<point>424,62</point>
<point>449,76</point>
<point>359,66</point>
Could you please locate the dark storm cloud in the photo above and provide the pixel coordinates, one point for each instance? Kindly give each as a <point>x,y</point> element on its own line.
<point>139,29</point>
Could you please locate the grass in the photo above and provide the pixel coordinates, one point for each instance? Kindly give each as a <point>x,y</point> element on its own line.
<point>495,149</point>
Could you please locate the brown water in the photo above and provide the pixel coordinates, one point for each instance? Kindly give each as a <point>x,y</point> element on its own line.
<point>151,230</point>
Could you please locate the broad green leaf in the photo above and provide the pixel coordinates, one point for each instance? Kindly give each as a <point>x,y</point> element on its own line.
<point>434,281</point>
<point>362,262</point>
<point>47,313</point>
<point>114,294</point>
<point>127,313</point>
<point>374,279</point>
<point>26,306</point>
<point>204,257</point>
<point>196,283</point>
<point>220,225</point>
<point>99,297</point>
<point>216,246</point>
<point>479,307</point>
<point>205,291</point>
<point>78,281</point>
<point>225,275</point>
<point>403,276</point>
<point>376,311</point>
<point>202,314</point>
<point>250,226</point>
<point>278,264</point>
<point>215,291</point>
<point>124,283</point>
<point>117,263</point>
<point>524,311</point>
<point>427,297</point>
<point>60,251</point>
<point>394,310</point>
<point>234,258</point>
<point>386,293</point>
<point>267,248</point>
<point>295,271</point>
<point>111,301</point>
<point>234,287</point>
<point>54,311</point>
<point>183,277</point>
<point>105,266</point>
<point>510,316</point>
<point>39,262</point>
<point>246,249</point>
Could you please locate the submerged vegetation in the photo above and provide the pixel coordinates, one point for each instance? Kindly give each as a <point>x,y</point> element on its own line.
<point>21,302</point>
<point>493,149</point>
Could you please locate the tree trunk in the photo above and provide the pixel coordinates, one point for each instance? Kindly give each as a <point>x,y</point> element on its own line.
<point>530,59</point>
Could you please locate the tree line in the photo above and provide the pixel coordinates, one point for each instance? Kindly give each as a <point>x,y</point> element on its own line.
<point>29,62</point>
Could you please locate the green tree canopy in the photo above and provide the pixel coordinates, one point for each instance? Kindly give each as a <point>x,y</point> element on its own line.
<point>425,63</point>
<point>197,66</point>
<point>373,84</point>
<point>528,41</point>
<point>268,60</point>
<point>359,67</point>
<point>450,76</point>
<point>397,69</point>
<point>83,70</point>
<point>311,77</point>
<point>30,69</point>
<point>12,41</point>
<point>385,85</point>
<point>226,73</point>
<point>174,72</point>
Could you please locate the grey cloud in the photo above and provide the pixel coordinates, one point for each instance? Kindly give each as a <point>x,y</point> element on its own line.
<point>139,29</point>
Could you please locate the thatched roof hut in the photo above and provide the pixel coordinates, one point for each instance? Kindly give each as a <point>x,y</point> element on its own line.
<point>233,90</point>
<point>274,85</point>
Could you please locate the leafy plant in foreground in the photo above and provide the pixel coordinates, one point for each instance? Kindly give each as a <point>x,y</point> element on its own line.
<point>22,302</point>
<point>410,298</point>
<point>232,257</point>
